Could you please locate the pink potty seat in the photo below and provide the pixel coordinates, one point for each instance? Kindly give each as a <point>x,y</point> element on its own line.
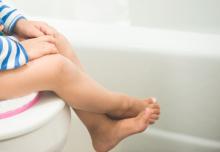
<point>12,107</point>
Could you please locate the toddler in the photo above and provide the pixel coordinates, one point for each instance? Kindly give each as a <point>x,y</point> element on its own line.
<point>42,59</point>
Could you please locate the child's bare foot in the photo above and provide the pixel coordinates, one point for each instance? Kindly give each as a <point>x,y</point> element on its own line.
<point>109,134</point>
<point>133,107</point>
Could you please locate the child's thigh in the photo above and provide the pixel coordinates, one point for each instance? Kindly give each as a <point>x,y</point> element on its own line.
<point>37,75</point>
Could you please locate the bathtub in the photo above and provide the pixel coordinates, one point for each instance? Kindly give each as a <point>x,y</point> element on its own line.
<point>181,69</point>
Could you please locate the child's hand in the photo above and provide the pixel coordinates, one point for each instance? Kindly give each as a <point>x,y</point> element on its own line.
<point>38,47</point>
<point>32,29</point>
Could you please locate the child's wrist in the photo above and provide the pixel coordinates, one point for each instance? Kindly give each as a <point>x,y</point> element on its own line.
<point>19,25</point>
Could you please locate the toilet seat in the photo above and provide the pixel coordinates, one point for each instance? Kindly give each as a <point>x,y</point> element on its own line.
<point>12,107</point>
<point>39,113</point>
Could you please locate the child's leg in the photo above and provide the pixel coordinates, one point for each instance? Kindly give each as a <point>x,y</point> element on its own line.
<point>97,134</point>
<point>43,74</point>
<point>101,128</point>
<point>66,50</point>
<point>58,74</point>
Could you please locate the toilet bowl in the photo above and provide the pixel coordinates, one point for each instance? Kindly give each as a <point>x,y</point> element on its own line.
<point>38,122</point>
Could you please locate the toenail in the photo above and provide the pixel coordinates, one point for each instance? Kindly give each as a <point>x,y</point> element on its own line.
<point>154,99</point>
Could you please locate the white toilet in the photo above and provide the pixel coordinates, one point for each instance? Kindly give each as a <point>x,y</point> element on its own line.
<point>38,122</point>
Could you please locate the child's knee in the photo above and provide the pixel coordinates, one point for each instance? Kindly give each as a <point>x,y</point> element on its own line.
<point>61,67</point>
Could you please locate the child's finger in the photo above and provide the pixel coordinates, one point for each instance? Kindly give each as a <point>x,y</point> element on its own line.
<point>51,48</point>
<point>34,32</point>
<point>46,29</point>
<point>47,38</point>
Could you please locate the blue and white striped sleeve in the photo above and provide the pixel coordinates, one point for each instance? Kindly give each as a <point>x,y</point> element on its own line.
<point>12,54</point>
<point>9,16</point>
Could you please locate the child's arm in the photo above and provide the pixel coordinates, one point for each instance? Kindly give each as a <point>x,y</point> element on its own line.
<point>32,29</point>
<point>15,23</point>
<point>12,54</point>
<point>9,17</point>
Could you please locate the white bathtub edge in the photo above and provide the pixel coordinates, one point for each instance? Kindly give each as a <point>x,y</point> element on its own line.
<point>89,34</point>
<point>183,138</point>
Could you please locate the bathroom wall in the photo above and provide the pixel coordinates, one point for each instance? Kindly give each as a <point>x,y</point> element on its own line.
<point>46,8</point>
<point>187,15</point>
<point>105,11</point>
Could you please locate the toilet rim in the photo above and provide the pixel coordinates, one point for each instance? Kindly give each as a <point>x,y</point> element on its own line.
<point>35,117</point>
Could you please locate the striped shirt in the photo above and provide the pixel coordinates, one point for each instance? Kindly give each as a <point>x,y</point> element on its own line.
<point>12,53</point>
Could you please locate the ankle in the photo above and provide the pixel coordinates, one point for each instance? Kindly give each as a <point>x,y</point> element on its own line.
<point>125,104</point>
